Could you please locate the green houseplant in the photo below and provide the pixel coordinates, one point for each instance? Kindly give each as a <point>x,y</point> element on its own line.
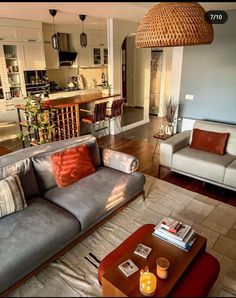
<point>38,115</point>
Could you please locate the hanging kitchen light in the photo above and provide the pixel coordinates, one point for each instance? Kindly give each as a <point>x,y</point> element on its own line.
<point>55,37</point>
<point>174,24</point>
<point>83,36</point>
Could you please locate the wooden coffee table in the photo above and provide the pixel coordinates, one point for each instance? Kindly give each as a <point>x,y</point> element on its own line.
<point>116,284</point>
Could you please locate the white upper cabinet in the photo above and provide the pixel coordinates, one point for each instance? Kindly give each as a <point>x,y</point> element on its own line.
<point>97,40</point>
<point>34,56</point>
<point>30,34</point>
<point>9,33</point>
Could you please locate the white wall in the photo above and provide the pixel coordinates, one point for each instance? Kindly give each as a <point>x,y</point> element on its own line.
<point>117,32</point>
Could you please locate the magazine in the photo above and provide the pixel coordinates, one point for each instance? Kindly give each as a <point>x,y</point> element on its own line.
<point>181,233</point>
<point>128,267</point>
<point>143,250</point>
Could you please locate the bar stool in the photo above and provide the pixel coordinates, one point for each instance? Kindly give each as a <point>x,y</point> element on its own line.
<point>114,113</point>
<point>97,118</point>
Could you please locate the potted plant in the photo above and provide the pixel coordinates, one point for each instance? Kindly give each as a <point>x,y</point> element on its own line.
<point>38,117</point>
<point>171,109</point>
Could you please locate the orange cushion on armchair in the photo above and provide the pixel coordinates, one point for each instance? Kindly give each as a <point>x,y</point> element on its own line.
<point>72,165</point>
<point>214,142</point>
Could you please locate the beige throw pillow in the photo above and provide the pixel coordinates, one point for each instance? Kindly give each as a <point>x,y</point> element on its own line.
<point>12,196</point>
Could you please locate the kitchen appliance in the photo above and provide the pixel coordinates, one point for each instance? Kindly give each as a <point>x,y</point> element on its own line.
<point>66,55</point>
<point>36,81</point>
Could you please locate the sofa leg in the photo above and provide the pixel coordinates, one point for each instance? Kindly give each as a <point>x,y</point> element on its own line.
<point>143,195</point>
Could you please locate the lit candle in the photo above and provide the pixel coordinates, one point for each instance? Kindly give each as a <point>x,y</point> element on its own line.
<point>148,282</point>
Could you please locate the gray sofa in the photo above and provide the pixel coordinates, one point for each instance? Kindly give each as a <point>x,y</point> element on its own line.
<point>176,154</point>
<point>56,217</point>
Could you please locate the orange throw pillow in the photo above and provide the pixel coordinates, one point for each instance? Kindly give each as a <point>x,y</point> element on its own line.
<point>72,165</point>
<point>214,142</point>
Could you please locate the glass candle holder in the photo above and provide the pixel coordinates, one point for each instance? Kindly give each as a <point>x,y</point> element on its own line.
<point>162,268</point>
<point>147,283</point>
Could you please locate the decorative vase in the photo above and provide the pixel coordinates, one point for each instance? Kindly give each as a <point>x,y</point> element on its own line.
<point>170,129</point>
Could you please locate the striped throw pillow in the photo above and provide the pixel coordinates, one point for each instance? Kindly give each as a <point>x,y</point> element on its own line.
<point>12,196</point>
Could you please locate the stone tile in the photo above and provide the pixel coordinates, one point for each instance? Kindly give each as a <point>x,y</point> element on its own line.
<point>231,234</point>
<point>195,217</point>
<point>230,278</point>
<point>207,200</point>
<point>221,219</point>
<point>225,293</point>
<point>179,198</point>
<point>200,208</point>
<point>225,279</point>
<point>209,234</point>
<point>226,247</point>
<point>182,218</point>
<point>170,204</point>
<point>28,289</point>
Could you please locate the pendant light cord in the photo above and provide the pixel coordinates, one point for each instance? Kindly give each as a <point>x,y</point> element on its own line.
<point>54,26</point>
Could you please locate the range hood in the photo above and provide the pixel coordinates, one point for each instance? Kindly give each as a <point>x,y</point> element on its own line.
<point>66,56</point>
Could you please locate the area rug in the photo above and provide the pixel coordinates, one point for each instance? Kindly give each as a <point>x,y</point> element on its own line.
<point>75,273</point>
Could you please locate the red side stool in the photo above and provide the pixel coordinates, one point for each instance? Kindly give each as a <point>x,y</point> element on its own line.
<point>196,281</point>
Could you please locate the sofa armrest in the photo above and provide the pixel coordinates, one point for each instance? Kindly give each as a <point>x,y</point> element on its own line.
<point>171,145</point>
<point>119,161</point>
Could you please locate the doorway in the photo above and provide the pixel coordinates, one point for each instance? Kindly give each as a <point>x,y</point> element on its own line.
<point>132,78</point>
<point>155,81</point>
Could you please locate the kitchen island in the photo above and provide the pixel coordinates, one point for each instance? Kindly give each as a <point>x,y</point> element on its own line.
<point>66,113</point>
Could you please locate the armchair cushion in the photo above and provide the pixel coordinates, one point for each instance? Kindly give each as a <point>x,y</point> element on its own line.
<point>201,163</point>
<point>119,161</point>
<point>214,142</point>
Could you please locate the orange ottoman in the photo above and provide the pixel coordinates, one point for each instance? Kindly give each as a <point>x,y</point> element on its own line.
<point>196,281</point>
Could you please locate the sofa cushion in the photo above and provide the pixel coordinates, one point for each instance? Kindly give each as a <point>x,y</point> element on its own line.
<point>230,174</point>
<point>202,164</point>
<point>43,165</point>
<point>97,195</point>
<point>210,141</point>
<point>219,127</point>
<point>25,171</point>
<point>12,196</point>
<point>72,165</point>
<point>31,236</point>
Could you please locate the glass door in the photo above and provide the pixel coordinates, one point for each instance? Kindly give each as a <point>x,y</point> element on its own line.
<point>96,56</point>
<point>13,71</point>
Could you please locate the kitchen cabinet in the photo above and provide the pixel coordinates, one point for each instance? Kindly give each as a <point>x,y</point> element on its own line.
<point>34,58</point>
<point>12,60</point>
<point>99,56</point>
<point>9,33</point>
<point>30,34</point>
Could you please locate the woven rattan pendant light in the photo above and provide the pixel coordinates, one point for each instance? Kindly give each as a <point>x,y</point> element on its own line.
<point>174,24</point>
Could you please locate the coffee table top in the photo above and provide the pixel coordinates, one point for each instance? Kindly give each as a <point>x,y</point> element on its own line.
<point>179,261</point>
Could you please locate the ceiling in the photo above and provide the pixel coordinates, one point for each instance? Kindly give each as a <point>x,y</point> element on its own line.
<point>97,11</point>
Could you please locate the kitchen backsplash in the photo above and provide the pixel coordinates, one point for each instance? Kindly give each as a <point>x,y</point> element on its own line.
<point>62,75</point>
<point>93,73</point>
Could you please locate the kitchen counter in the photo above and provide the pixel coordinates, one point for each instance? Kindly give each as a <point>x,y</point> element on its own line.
<point>81,97</point>
<point>69,94</point>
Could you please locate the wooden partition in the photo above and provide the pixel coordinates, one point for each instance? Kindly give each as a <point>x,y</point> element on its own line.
<point>66,121</point>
